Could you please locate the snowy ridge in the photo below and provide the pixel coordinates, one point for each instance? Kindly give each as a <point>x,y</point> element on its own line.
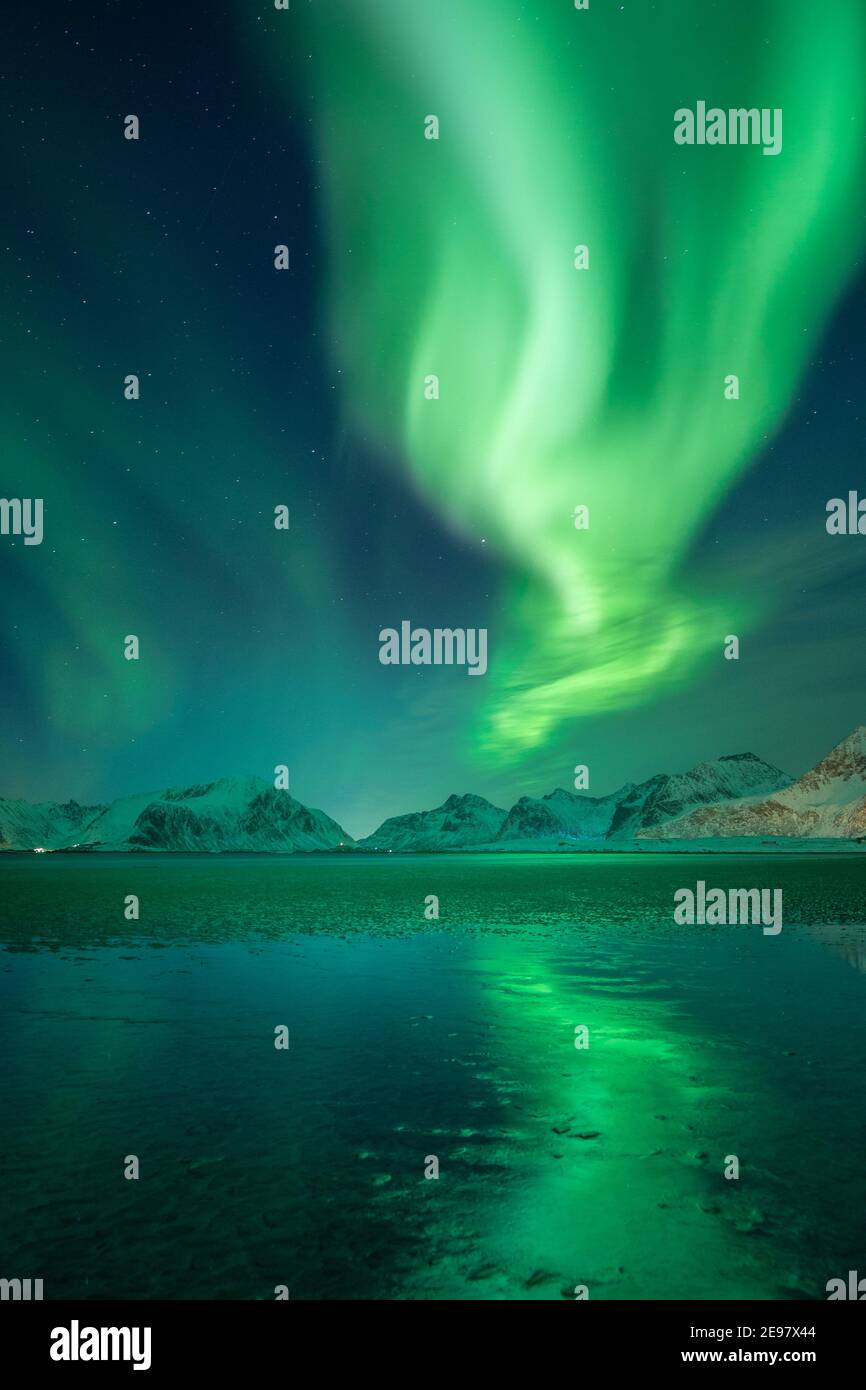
<point>673,794</point>
<point>233,813</point>
<point>458,822</point>
<point>738,797</point>
<point>563,818</point>
<point>562,815</point>
<point>827,802</point>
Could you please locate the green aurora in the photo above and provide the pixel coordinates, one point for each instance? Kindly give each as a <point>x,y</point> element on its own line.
<point>602,387</point>
<point>409,257</point>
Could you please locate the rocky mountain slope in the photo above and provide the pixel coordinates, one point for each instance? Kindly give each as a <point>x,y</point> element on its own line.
<point>668,795</point>
<point>233,813</point>
<point>25,824</point>
<point>562,815</point>
<point>458,822</point>
<point>829,801</point>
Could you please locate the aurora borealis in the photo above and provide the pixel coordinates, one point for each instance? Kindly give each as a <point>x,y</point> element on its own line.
<point>558,387</point>
<point>409,404</point>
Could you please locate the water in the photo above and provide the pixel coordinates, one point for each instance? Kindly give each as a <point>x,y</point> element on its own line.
<point>413,1039</point>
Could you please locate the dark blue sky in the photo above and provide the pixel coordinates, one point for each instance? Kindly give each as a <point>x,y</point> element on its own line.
<point>261,647</point>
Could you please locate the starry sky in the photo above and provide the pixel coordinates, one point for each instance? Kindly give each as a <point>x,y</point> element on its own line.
<point>558,387</point>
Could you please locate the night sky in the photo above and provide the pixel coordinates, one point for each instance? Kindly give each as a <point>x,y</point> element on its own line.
<point>305,388</point>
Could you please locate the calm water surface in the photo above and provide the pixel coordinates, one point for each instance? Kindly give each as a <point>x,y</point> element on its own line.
<point>412,1039</point>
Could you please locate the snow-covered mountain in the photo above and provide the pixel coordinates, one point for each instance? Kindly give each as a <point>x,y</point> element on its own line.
<point>562,815</point>
<point>565,816</point>
<point>827,802</point>
<point>738,796</point>
<point>458,822</point>
<point>49,824</point>
<point>667,795</point>
<point>233,813</point>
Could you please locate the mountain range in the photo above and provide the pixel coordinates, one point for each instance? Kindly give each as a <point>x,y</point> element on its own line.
<point>738,796</point>
<point>564,817</point>
<point>233,813</point>
<point>828,802</point>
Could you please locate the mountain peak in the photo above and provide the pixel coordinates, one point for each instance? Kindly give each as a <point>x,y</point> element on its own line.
<point>827,802</point>
<point>855,743</point>
<point>229,787</point>
<point>846,760</point>
<point>464,799</point>
<point>231,813</point>
<point>460,821</point>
